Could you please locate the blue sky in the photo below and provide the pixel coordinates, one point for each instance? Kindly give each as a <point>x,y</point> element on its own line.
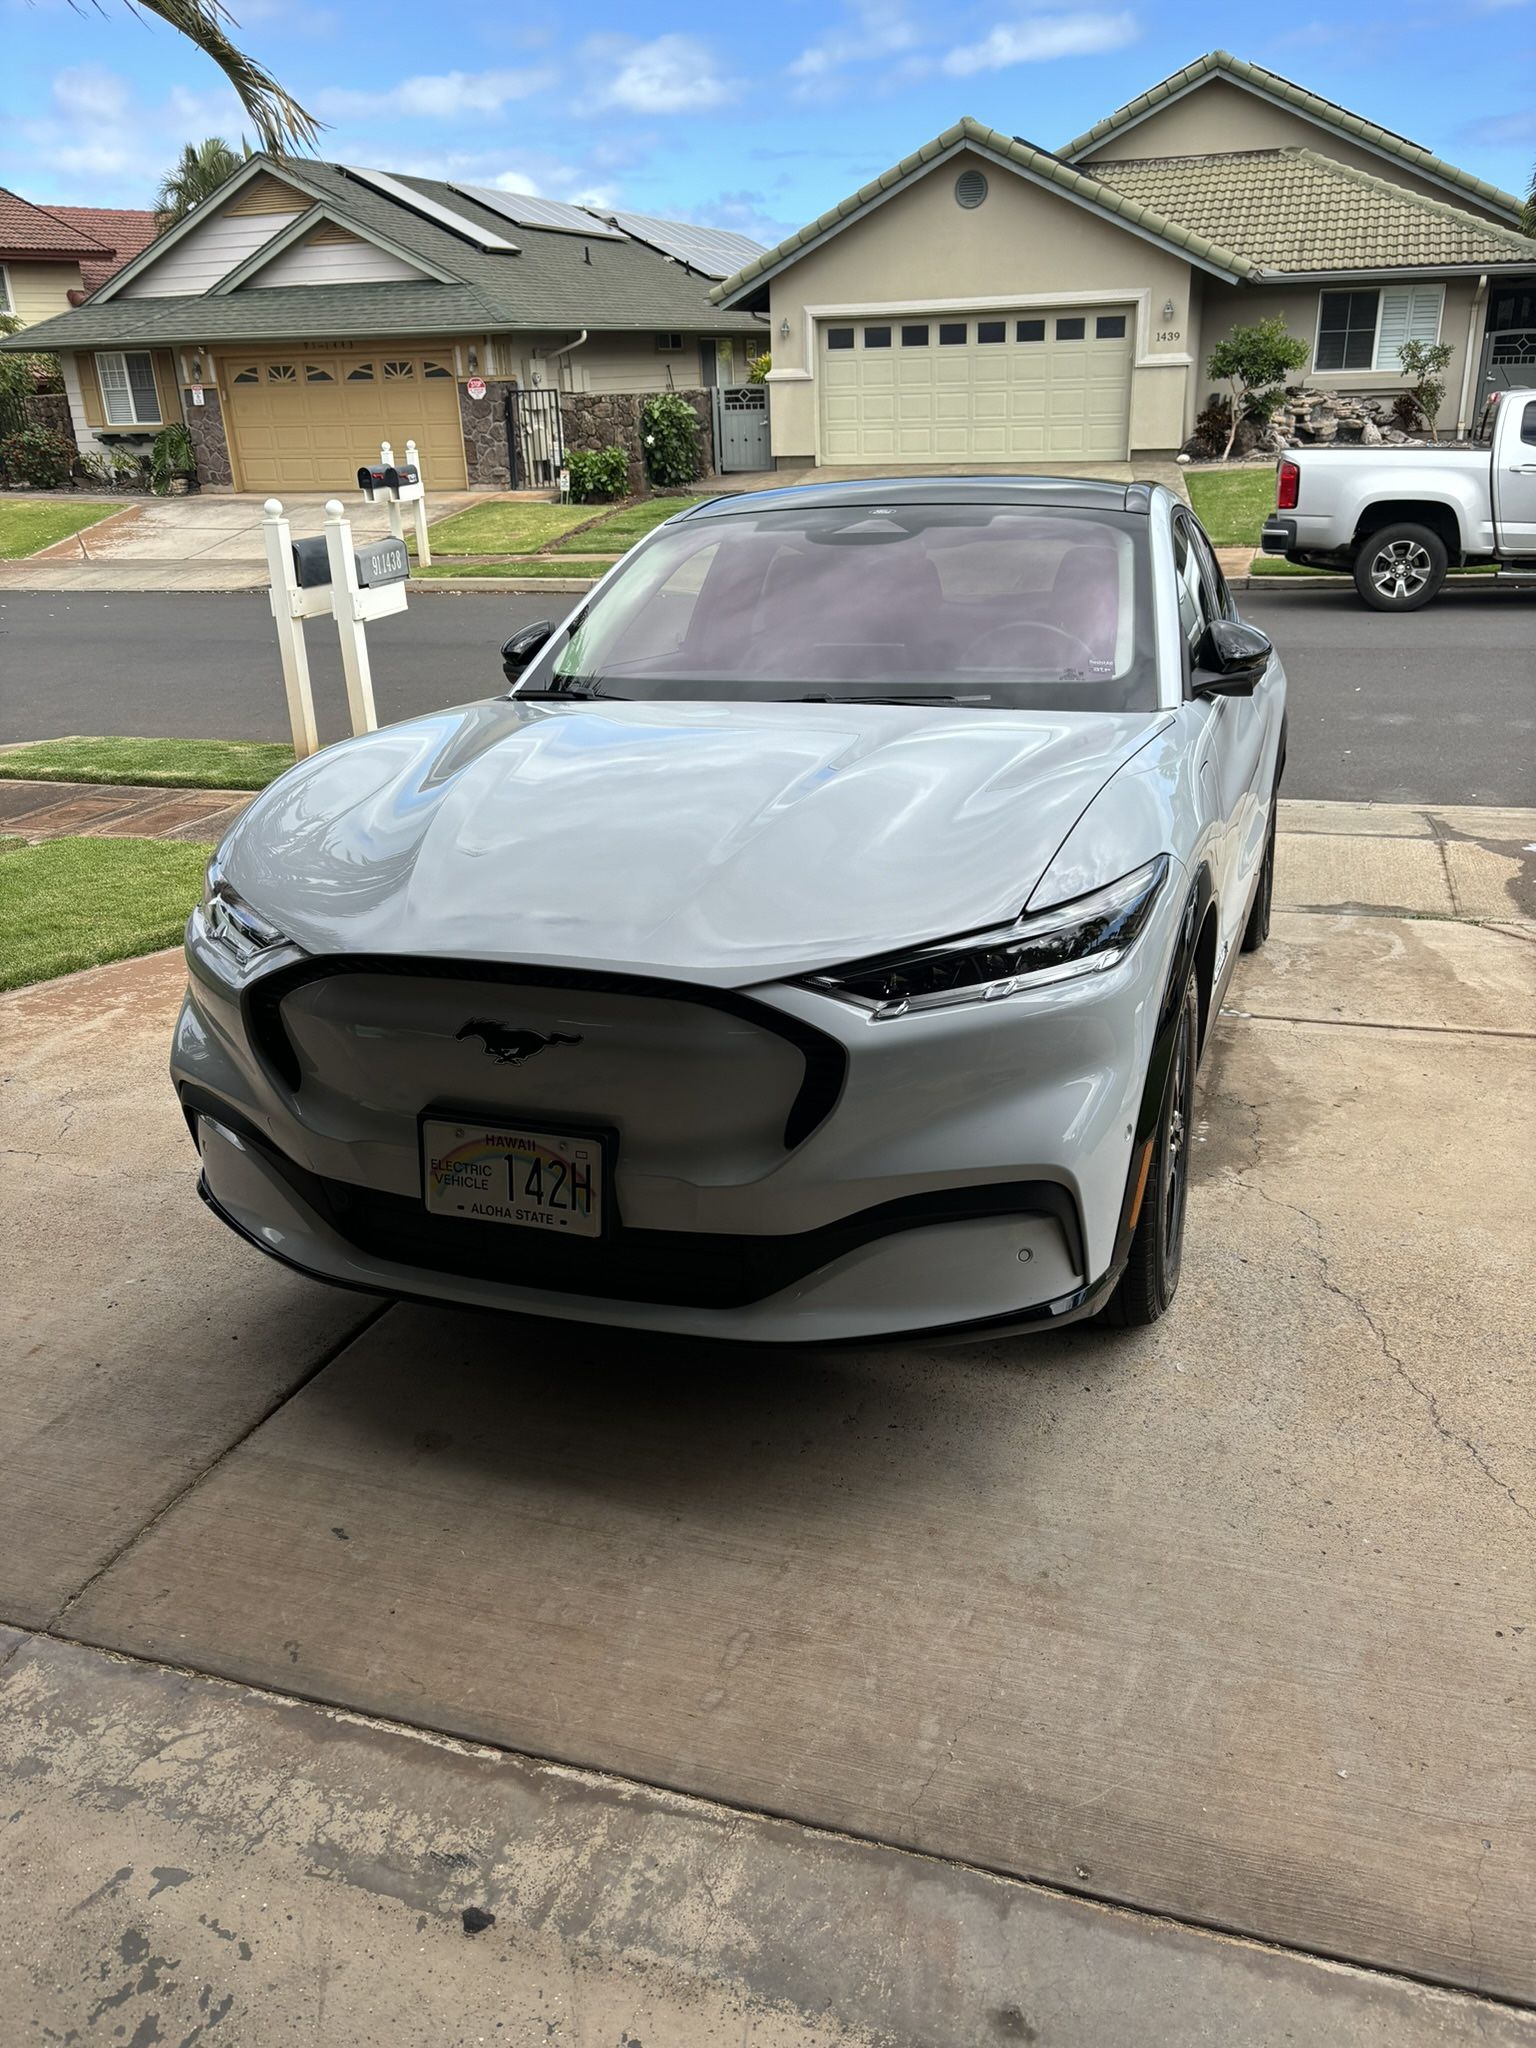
<point>669,108</point>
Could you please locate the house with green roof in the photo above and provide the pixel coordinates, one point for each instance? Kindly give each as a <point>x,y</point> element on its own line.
<point>307,311</point>
<point>990,301</point>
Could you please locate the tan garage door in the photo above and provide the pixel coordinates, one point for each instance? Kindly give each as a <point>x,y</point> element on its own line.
<point>988,387</point>
<point>302,422</point>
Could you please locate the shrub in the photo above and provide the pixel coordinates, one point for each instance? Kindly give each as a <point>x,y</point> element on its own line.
<point>598,474</point>
<point>37,457</point>
<point>1253,361</point>
<point>1406,416</point>
<point>171,455</point>
<point>758,368</point>
<point>669,429</point>
<point>1424,361</point>
<point>1212,427</point>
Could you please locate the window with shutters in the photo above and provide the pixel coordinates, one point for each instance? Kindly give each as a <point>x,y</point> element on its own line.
<point>1363,330</point>
<point>129,397</point>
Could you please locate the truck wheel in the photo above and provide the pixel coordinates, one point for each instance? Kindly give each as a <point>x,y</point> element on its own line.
<point>1400,568</point>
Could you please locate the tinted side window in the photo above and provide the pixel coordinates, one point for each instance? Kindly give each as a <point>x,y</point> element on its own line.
<point>1220,596</point>
<point>1528,423</point>
<point>1194,603</point>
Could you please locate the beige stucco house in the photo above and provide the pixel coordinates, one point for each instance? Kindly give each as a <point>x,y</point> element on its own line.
<point>990,301</point>
<point>306,311</point>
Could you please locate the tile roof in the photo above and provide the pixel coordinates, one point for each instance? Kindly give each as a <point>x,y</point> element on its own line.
<point>1328,112</point>
<point>34,231</point>
<point>121,230</point>
<point>1200,248</point>
<point>550,284</point>
<point>1292,210</point>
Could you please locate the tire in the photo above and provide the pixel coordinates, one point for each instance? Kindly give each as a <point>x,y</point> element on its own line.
<point>1256,930</point>
<point>1151,1276</point>
<point>1401,568</point>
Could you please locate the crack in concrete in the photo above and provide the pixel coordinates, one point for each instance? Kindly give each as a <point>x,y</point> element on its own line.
<point>1426,1395</point>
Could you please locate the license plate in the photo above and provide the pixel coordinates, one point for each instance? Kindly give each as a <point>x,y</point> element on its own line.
<point>506,1173</point>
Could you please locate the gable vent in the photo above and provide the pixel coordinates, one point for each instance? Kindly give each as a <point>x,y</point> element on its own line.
<point>970,189</point>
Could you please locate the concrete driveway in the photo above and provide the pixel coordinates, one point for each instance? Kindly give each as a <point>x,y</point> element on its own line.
<point>209,541</point>
<point>894,1696</point>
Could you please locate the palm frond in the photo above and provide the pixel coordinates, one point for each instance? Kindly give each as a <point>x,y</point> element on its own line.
<point>282,124</point>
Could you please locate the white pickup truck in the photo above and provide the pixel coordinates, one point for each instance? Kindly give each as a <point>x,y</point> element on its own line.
<point>1398,518</point>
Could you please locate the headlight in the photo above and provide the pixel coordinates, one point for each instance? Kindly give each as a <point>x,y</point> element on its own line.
<point>230,921</point>
<point>1087,936</point>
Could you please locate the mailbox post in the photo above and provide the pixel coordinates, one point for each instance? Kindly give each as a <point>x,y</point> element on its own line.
<point>290,607</point>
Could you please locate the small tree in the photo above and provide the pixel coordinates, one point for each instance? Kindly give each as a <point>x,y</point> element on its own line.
<point>1424,361</point>
<point>1254,362</point>
<point>669,430</point>
<point>758,368</point>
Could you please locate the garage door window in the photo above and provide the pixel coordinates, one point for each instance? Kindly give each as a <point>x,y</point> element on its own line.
<point>991,330</point>
<point>914,337</point>
<point>317,373</point>
<point>249,375</point>
<point>952,334</point>
<point>360,373</point>
<point>1030,330</point>
<point>282,373</point>
<point>877,337</point>
<point>431,369</point>
<point>1071,330</point>
<point>1110,327</point>
<point>128,394</point>
<point>839,337</point>
<point>399,373</point>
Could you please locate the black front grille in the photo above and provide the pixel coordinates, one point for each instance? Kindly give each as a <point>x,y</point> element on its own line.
<point>678,1268</point>
<point>826,1060</point>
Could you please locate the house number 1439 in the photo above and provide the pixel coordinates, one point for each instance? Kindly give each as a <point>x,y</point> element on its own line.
<point>1168,334</point>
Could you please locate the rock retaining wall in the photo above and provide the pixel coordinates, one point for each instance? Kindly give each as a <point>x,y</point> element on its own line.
<point>1308,419</point>
<point>599,419</point>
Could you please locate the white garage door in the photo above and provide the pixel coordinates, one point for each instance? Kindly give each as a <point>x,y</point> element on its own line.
<point>991,387</point>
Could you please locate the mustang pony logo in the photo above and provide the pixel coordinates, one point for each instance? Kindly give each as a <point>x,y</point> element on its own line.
<point>511,1048</point>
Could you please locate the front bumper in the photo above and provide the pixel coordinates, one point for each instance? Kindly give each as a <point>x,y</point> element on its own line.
<point>969,1174</point>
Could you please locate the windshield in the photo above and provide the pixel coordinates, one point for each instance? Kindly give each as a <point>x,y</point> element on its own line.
<point>989,605</point>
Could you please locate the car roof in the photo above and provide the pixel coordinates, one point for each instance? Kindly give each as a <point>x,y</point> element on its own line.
<point>1047,493</point>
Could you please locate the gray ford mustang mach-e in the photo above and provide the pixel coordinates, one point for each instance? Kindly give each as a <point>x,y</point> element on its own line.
<point>817,942</point>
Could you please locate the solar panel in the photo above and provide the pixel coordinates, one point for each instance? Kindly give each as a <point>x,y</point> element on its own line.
<point>715,252</point>
<point>429,209</point>
<point>526,211</point>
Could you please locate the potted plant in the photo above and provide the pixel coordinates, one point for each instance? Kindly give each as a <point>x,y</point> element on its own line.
<point>172,462</point>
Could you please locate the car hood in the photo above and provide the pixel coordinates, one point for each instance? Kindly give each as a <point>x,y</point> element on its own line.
<point>724,843</point>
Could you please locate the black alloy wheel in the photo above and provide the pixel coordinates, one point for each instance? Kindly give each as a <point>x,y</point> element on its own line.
<point>1151,1276</point>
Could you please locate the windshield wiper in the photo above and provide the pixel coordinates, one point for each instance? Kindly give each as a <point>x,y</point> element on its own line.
<point>580,686</point>
<point>873,697</point>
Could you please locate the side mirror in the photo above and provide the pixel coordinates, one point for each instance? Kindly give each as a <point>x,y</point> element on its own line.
<point>521,649</point>
<point>1230,659</point>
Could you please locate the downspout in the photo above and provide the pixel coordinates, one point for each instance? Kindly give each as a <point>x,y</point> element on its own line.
<point>1474,355</point>
<point>551,355</point>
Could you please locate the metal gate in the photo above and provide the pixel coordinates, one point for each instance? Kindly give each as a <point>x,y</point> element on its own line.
<point>741,427</point>
<point>535,437</point>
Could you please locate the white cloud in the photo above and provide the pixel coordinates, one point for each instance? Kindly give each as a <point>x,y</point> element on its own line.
<point>1040,38</point>
<point>96,143</point>
<point>876,31</point>
<point>671,75</point>
<point>437,98</point>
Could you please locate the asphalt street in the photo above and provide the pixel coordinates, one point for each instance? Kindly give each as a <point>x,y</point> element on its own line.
<point>1436,707</point>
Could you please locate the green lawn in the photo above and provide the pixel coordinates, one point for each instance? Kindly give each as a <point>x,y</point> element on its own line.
<point>525,565</point>
<point>1232,504</point>
<point>27,524</point>
<point>173,764</point>
<point>72,903</point>
<point>506,528</point>
<point>620,530</point>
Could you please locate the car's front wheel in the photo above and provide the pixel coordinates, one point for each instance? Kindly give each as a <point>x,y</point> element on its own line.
<point>1151,1276</point>
<point>1401,568</point>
